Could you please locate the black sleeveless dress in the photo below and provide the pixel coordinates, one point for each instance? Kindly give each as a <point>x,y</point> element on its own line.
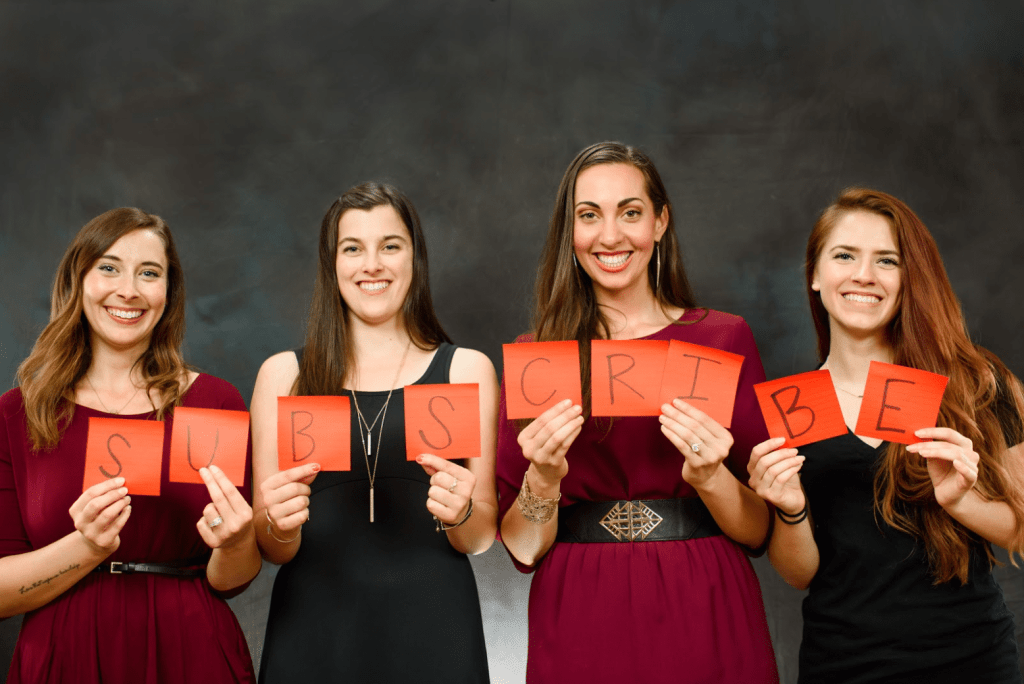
<point>388,601</point>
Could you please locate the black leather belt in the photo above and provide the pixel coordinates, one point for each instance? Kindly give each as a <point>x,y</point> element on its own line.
<point>627,521</point>
<point>191,567</point>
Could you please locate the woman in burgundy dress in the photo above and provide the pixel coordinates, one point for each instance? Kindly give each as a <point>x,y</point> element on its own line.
<point>117,588</point>
<point>682,605</point>
<point>894,542</point>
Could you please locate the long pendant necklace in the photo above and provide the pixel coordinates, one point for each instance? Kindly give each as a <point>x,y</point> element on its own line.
<point>366,428</point>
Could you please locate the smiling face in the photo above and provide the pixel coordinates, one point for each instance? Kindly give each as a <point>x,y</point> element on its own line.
<point>615,228</point>
<point>858,275</point>
<point>374,263</point>
<point>124,292</point>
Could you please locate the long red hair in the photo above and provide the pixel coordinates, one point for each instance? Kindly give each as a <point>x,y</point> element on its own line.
<point>928,332</point>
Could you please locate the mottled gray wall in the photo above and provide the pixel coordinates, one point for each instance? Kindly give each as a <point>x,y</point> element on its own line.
<point>239,122</point>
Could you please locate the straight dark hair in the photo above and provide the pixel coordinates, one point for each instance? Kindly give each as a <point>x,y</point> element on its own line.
<point>565,307</point>
<point>328,356</point>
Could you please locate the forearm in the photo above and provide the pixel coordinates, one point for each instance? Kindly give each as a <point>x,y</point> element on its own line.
<point>476,534</point>
<point>794,553</point>
<point>740,513</point>
<point>274,550</point>
<point>528,541</point>
<point>235,565</point>
<point>992,520</point>
<point>33,579</point>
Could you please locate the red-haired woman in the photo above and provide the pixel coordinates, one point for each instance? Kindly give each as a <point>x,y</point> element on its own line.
<point>894,542</point>
<point>123,589</point>
<point>375,587</point>
<point>681,603</point>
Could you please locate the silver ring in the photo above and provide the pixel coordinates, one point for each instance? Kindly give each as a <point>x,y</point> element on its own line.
<point>455,483</point>
<point>695,447</point>
<point>216,521</point>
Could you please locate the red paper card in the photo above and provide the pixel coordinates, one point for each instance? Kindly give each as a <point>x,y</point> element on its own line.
<point>443,420</point>
<point>204,437</point>
<point>802,408</point>
<point>626,377</point>
<point>898,401</point>
<point>705,377</point>
<point>132,449</point>
<point>314,430</point>
<point>538,375</point>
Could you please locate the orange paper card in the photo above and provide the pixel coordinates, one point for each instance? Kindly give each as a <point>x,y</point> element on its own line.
<point>132,449</point>
<point>204,437</point>
<point>626,377</point>
<point>802,408</point>
<point>443,420</point>
<point>314,430</point>
<point>898,401</point>
<point>704,377</point>
<point>538,375</point>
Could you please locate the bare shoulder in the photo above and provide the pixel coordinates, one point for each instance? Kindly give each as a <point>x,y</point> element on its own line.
<point>470,365</point>
<point>277,372</point>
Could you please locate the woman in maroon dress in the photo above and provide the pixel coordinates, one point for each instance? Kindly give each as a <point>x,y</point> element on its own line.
<point>683,605</point>
<point>92,613</point>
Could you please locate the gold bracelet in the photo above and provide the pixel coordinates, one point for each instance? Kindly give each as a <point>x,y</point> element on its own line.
<point>534,508</point>
<point>270,530</point>
<point>441,525</point>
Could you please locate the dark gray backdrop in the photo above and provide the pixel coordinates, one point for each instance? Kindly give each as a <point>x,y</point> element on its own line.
<point>239,122</point>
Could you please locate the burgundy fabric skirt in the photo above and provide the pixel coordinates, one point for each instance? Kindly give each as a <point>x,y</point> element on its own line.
<point>667,611</point>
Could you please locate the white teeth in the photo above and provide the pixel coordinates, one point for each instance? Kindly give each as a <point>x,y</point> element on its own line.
<point>863,299</point>
<point>134,313</point>
<point>616,260</point>
<point>374,287</point>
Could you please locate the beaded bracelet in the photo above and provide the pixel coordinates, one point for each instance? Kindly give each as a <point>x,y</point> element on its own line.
<point>442,526</point>
<point>534,508</point>
<point>793,518</point>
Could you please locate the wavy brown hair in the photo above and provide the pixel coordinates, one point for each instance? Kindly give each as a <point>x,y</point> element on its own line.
<point>63,352</point>
<point>328,356</point>
<point>565,307</point>
<point>928,332</point>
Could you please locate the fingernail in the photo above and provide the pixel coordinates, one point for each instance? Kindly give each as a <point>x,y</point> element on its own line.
<point>203,472</point>
<point>122,491</point>
<point>566,402</point>
<point>578,408</point>
<point>215,469</point>
<point>315,467</point>
<point>128,499</point>
<point>779,440</point>
<point>120,481</point>
<point>419,459</point>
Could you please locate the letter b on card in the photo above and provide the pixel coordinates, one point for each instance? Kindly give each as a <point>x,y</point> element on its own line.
<point>314,430</point>
<point>443,420</point>
<point>802,408</point>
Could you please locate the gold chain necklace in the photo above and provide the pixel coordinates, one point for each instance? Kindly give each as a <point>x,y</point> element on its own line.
<point>100,399</point>
<point>382,416</point>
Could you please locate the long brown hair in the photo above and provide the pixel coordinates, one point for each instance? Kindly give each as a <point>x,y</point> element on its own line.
<point>928,332</point>
<point>63,352</point>
<point>328,355</point>
<point>565,307</point>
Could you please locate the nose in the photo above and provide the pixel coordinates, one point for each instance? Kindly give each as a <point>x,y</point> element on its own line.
<point>126,288</point>
<point>609,235</point>
<point>372,263</point>
<point>865,272</point>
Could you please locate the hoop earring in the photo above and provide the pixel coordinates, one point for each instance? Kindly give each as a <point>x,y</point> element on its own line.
<point>657,266</point>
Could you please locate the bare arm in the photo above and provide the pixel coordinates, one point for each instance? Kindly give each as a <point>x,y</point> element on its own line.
<point>476,480</point>
<point>775,477</point>
<point>544,443</point>
<point>33,579</point>
<point>280,499</point>
<point>235,559</point>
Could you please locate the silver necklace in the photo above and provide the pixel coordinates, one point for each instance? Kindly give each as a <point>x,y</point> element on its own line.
<point>382,416</point>
<point>103,404</point>
<point>852,394</point>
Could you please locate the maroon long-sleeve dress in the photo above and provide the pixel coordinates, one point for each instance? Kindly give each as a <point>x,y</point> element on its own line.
<point>139,628</point>
<point>660,611</point>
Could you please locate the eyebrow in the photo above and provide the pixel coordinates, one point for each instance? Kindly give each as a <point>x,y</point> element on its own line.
<point>621,203</point>
<point>111,257</point>
<point>396,236</point>
<point>849,248</point>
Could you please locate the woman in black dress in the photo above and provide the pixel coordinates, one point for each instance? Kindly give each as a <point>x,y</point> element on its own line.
<point>370,590</point>
<point>894,542</point>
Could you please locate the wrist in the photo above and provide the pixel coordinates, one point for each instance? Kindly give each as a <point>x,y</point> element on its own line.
<point>707,479</point>
<point>544,487</point>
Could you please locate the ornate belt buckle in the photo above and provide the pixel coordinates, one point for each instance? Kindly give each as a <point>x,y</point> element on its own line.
<point>628,520</point>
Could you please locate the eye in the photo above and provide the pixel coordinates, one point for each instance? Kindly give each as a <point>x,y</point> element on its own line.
<point>150,273</point>
<point>842,256</point>
<point>392,247</point>
<point>586,215</point>
<point>349,249</point>
<point>889,262</point>
<point>632,213</point>
<point>107,268</point>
